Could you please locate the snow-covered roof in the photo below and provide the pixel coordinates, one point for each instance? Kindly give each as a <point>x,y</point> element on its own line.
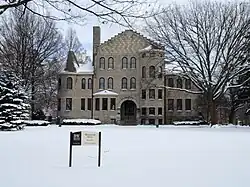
<point>78,63</point>
<point>150,48</point>
<point>105,92</point>
<point>172,68</point>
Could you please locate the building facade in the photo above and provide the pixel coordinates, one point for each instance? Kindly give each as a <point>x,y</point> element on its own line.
<point>125,84</point>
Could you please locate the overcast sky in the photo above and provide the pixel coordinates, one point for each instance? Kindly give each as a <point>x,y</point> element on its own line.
<point>107,31</point>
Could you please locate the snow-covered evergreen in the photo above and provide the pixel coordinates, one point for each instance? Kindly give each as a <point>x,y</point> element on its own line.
<point>13,102</point>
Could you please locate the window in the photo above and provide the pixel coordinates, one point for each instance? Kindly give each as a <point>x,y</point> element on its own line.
<point>102,83</point>
<point>110,83</point>
<point>188,84</point>
<point>151,121</point>
<point>160,94</point>
<point>170,82</point>
<point>97,103</point>
<point>83,83</point>
<point>59,83</point>
<point>188,104</point>
<point>144,111</point>
<point>110,63</point>
<point>159,72</point>
<point>104,103</point>
<point>89,104</point>
<point>112,103</point>
<point>124,63</point>
<point>133,63</point>
<point>59,104</point>
<point>143,94</point>
<point>102,63</point>
<point>179,83</point>
<point>132,83</point>
<point>89,83</point>
<point>143,72</point>
<point>160,121</point>
<point>69,83</point>
<point>159,111</point>
<point>170,104</point>
<point>152,72</point>
<point>124,83</point>
<point>151,94</point>
<point>82,104</point>
<point>68,103</point>
<point>151,111</point>
<point>179,104</point>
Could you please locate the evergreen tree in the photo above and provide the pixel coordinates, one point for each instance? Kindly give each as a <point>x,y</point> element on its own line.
<point>13,102</point>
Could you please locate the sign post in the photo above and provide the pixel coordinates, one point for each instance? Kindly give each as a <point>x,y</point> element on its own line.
<point>99,149</point>
<point>84,138</point>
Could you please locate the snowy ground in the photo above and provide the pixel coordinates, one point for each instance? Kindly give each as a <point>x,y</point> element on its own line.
<point>132,157</point>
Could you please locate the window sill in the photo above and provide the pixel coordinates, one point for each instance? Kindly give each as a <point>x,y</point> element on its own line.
<point>124,89</point>
<point>151,99</point>
<point>159,98</point>
<point>188,110</point>
<point>151,114</point>
<point>133,89</point>
<point>179,110</point>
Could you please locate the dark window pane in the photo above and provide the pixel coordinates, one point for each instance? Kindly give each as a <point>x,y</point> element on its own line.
<point>104,103</point>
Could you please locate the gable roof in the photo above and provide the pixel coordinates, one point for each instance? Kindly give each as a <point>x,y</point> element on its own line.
<point>105,92</point>
<point>131,34</point>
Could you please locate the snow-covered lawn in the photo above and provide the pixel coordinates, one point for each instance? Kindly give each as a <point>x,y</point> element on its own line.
<point>131,157</point>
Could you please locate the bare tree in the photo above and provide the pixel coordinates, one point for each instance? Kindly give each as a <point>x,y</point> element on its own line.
<point>27,42</point>
<point>72,42</point>
<point>122,12</point>
<point>207,40</point>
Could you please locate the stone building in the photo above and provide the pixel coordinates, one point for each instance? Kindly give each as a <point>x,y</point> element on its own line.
<point>124,84</point>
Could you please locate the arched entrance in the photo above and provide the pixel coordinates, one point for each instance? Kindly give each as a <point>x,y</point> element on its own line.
<point>128,113</point>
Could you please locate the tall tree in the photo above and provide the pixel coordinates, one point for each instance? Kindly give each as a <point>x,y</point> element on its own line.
<point>122,12</point>
<point>207,40</point>
<point>13,101</point>
<point>27,42</point>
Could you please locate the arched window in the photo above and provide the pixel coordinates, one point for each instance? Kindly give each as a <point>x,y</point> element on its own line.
<point>132,83</point>
<point>102,63</point>
<point>124,63</point>
<point>143,72</point>
<point>124,83</point>
<point>152,72</point>
<point>188,84</point>
<point>110,63</point>
<point>160,72</point>
<point>110,83</point>
<point>179,83</point>
<point>170,82</point>
<point>89,83</point>
<point>133,63</point>
<point>102,83</point>
<point>69,83</point>
<point>59,83</point>
<point>83,83</point>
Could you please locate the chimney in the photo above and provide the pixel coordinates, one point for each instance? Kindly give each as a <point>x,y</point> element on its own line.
<point>96,40</point>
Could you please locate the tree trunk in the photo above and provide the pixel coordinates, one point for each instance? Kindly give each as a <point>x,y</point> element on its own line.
<point>212,109</point>
<point>232,116</point>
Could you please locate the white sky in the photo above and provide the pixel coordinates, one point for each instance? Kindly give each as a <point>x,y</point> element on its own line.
<point>107,31</point>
